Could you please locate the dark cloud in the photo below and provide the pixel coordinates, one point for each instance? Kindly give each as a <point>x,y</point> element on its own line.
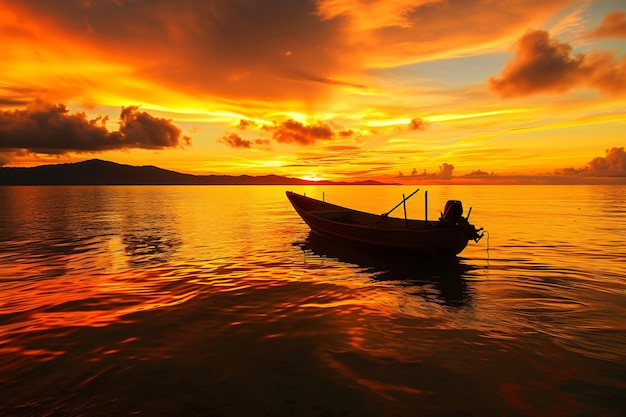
<point>141,130</point>
<point>51,129</point>
<point>478,173</point>
<point>292,131</point>
<point>289,131</point>
<point>570,171</point>
<point>613,26</point>
<point>418,124</point>
<point>445,172</point>
<point>235,141</point>
<point>540,64</point>
<point>613,164</point>
<point>543,65</point>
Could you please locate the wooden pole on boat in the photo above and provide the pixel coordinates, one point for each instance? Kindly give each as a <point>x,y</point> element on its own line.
<point>405,218</point>
<point>401,202</point>
<point>426,205</point>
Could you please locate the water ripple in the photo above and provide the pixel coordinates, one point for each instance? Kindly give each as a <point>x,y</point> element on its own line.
<point>156,300</point>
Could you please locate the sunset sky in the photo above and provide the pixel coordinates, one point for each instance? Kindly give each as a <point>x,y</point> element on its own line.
<point>395,90</point>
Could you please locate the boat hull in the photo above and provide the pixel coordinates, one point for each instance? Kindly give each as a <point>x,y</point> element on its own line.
<point>424,238</point>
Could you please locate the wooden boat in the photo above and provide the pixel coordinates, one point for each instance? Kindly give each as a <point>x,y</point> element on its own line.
<point>447,236</point>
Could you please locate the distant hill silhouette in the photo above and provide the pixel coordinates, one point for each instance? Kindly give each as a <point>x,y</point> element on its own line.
<point>99,172</point>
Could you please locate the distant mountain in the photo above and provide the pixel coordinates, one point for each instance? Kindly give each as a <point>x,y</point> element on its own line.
<point>99,172</point>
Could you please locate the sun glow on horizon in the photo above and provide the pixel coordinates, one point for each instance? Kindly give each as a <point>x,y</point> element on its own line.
<point>311,177</point>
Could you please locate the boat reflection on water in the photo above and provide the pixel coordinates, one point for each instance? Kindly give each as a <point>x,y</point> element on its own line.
<point>442,281</point>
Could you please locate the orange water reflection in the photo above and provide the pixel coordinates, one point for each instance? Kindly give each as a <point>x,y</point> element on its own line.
<point>153,298</point>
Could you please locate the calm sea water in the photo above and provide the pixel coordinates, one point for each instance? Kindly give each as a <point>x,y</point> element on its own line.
<point>216,301</point>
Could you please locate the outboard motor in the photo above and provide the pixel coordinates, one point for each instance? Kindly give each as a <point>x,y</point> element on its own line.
<point>452,211</point>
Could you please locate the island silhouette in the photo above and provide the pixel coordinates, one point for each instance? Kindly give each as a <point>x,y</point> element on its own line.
<point>99,172</point>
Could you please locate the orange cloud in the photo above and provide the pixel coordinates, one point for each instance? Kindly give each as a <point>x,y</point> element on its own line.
<point>48,128</point>
<point>418,124</point>
<point>613,26</point>
<point>544,65</point>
